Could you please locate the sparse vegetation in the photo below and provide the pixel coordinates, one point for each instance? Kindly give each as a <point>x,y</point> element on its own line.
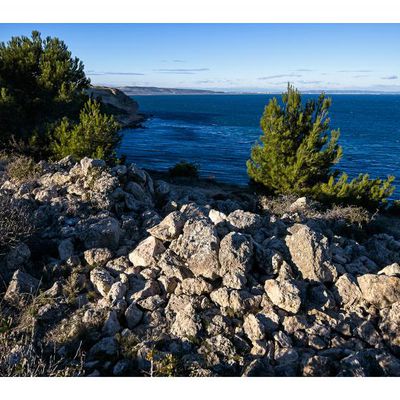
<point>16,222</point>
<point>23,169</point>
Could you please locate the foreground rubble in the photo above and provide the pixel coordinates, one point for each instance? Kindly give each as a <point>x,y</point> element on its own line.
<point>127,275</point>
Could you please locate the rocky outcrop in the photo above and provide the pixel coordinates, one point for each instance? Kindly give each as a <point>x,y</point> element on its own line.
<point>123,107</point>
<point>149,277</point>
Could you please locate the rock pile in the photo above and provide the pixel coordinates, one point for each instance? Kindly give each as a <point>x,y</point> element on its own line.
<point>150,277</point>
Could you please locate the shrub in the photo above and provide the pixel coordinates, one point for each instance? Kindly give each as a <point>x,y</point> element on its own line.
<point>351,215</point>
<point>184,169</point>
<point>298,151</point>
<point>40,82</point>
<point>96,135</point>
<point>362,191</point>
<point>16,223</point>
<point>23,169</point>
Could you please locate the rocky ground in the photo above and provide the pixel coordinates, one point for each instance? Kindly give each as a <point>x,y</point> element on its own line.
<point>126,275</point>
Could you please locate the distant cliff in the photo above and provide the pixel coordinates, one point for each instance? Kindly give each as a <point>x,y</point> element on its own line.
<point>124,108</point>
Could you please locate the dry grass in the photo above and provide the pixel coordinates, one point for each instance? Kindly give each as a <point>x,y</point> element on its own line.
<point>23,169</point>
<point>16,223</point>
<point>348,215</point>
<point>23,353</point>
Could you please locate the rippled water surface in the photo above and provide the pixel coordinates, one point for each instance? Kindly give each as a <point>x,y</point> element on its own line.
<point>217,132</point>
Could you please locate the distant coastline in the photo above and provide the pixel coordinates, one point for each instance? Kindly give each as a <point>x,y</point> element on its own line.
<point>153,90</point>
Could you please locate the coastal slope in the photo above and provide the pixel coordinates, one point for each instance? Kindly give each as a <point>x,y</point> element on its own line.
<point>130,275</point>
<point>123,107</point>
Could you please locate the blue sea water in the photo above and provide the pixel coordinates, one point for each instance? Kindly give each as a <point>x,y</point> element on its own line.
<point>217,132</point>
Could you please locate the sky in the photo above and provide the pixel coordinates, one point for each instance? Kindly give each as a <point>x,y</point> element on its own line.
<point>232,57</point>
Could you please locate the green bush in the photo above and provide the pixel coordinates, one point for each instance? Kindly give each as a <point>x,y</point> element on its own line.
<point>184,169</point>
<point>298,151</point>
<point>40,82</point>
<point>361,191</point>
<point>96,135</point>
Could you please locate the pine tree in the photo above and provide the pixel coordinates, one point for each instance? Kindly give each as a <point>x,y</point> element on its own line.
<point>297,150</point>
<point>40,82</point>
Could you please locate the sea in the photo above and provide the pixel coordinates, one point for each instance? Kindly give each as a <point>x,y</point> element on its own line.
<point>216,132</point>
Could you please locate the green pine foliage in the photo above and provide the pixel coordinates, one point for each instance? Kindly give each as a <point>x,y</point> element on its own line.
<point>96,135</point>
<point>40,82</point>
<point>362,191</point>
<point>298,151</point>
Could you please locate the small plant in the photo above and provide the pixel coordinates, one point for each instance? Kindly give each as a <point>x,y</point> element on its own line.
<point>167,366</point>
<point>5,324</point>
<point>23,169</point>
<point>184,169</point>
<point>162,364</point>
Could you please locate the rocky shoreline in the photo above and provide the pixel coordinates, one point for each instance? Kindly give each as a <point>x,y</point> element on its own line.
<point>130,275</point>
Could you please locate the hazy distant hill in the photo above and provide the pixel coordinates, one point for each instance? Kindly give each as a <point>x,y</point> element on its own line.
<point>148,90</point>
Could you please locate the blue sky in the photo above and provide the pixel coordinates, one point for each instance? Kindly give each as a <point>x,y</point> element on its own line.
<point>257,57</point>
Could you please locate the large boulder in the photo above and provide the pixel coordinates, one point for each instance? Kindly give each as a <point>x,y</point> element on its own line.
<point>169,228</point>
<point>133,316</point>
<point>186,324</point>
<point>284,294</point>
<point>389,325</point>
<point>147,252</point>
<point>89,163</point>
<point>16,259</point>
<point>199,245</point>
<point>138,192</point>
<point>346,291</point>
<point>310,252</point>
<point>172,266</point>
<point>253,328</point>
<point>102,280</point>
<point>102,233</point>
<point>244,221</point>
<point>98,257</point>
<point>65,249</point>
<point>21,284</point>
<point>235,253</point>
<point>380,290</point>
